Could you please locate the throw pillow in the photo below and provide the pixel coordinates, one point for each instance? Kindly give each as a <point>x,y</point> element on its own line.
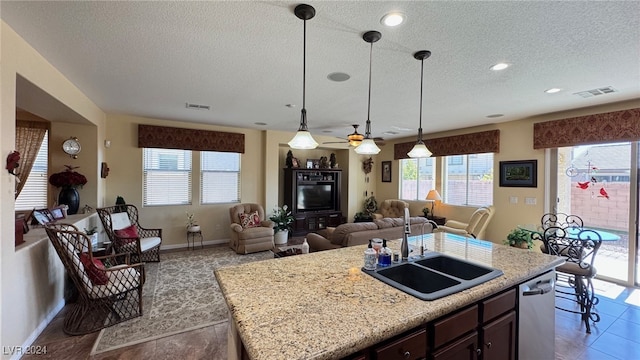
<point>250,220</point>
<point>95,270</point>
<point>128,232</point>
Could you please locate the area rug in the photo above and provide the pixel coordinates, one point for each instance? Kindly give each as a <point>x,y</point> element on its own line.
<point>180,294</point>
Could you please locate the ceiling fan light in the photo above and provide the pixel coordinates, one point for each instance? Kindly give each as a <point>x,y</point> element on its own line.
<point>368,147</point>
<point>303,140</point>
<point>355,139</point>
<point>419,151</point>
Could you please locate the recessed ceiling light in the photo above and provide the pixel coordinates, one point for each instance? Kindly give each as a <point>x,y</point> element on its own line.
<point>492,116</point>
<point>499,66</point>
<point>260,123</point>
<point>338,76</point>
<point>553,90</point>
<point>392,19</point>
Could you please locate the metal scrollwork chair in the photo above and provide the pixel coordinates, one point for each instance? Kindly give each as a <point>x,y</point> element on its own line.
<point>579,248</point>
<point>561,220</point>
<point>121,224</point>
<point>108,293</point>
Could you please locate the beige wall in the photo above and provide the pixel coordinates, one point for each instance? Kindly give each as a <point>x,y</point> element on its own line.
<point>31,276</point>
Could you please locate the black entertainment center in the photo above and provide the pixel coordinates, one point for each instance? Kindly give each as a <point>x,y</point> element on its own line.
<point>313,195</point>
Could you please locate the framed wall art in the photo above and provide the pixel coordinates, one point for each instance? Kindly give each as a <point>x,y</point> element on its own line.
<point>522,173</point>
<point>386,171</point>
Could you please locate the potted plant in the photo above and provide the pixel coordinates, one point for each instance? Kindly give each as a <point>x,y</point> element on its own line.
<point>192,225</point>
<point>519,238</point>
<point>92,233</point>
<point>282,223</point>
<point>425,211</point>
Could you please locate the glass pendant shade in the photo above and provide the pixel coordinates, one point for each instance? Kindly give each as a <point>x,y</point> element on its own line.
<point>303,138</point>
<point>368,147</point>
<point>419,151</point>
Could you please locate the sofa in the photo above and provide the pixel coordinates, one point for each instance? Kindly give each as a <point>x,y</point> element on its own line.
<point>351,234</point>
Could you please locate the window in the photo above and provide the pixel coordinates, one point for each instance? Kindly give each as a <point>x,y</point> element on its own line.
<point>468,179</point>
<point>167,177</point>
<point>416,178</point>
<point>34,192</point>
<point>220,177</point>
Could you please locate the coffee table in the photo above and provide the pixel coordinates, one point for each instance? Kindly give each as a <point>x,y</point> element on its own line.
<point>282,251</point>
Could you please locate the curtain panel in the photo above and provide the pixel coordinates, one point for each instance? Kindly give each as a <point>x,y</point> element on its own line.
<point>29,137</point>
<point>164,137</point>
<point>473,143</point>
<point>616,126</point>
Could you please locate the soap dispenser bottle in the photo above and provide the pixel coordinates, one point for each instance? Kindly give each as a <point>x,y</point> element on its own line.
<point>305,246</point>
<point>384,257</point>
<point>370,258</point>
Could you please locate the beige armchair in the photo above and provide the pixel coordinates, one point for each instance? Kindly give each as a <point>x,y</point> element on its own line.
<point>391,209</point>
<point>250,232</point>
<point>475,227</point>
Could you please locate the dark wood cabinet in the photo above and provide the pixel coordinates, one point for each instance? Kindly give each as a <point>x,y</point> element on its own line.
<point>313,195</point>
<point>410,347</point>
<point>499,338</point>
<point>465,348</point>
<point>440,220</point>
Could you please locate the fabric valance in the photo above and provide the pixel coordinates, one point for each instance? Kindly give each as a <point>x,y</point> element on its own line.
<point>473,143</point>
<point>616,126</point>
<point>164,137</point>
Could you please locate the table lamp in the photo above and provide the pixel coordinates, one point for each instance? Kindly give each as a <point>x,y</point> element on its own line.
<point>433,196</point>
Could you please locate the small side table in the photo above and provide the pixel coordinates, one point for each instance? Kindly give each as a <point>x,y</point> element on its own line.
<point>191,236</point>
<point>439,220</point>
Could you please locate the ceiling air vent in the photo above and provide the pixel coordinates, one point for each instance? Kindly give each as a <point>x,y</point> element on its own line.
<point>596,92</point>
<point>198,107</point>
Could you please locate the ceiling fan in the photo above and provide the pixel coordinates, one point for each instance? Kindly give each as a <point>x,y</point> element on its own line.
<point>355,138</point>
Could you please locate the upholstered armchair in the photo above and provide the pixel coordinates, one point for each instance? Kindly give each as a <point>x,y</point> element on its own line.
<point>250,232</point>
<point>391,209</point>
<point>474,228</point>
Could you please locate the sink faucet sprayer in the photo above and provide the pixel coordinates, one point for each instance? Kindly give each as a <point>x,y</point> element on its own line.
<point>404,247</point>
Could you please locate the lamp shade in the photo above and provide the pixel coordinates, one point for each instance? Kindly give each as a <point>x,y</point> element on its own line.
<point>419,151</point>
<point>367,147</point>
<point>303,140</point>
<point>434,195</point>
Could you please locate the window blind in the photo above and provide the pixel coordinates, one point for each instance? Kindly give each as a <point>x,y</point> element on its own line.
<point>167,177</point>
<point>220,177</point>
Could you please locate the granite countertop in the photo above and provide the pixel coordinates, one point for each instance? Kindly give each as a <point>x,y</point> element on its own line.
<point>321,306</point>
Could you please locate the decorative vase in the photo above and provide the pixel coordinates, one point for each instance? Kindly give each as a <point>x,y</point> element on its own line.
<point>281,237</point>
<point>70,197</point>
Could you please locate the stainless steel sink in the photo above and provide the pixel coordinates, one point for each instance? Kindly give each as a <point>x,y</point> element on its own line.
<point>434,275</point>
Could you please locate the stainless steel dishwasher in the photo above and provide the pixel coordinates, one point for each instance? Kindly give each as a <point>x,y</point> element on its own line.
<point>537,323</point>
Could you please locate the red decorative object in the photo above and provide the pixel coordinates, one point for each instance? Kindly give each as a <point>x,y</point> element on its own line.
<point>12,162</point>
<point>68,178</point>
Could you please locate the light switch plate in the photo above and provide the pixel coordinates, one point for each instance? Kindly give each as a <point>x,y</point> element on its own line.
<point>530,200</point>
<point>513,199</point>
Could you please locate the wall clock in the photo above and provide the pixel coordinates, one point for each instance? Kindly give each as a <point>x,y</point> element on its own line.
<point>72,147</point>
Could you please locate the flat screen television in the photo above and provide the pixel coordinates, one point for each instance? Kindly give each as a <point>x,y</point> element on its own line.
<point>315,197</point>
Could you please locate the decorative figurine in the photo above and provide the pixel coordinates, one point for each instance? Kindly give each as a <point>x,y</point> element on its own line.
<point>332,161</point>
<point>289,160</point>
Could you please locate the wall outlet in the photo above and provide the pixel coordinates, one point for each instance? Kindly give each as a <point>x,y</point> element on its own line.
<point>530,200</point>
<point>513,199</point>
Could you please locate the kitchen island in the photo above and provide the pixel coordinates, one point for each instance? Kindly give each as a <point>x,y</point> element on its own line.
<point>321,306</point>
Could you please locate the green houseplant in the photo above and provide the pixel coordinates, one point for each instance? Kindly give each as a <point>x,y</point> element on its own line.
<point>282,219</point>
<point>519,238</point>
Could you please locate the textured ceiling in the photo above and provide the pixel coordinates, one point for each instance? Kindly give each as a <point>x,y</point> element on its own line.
<point>244,59</point>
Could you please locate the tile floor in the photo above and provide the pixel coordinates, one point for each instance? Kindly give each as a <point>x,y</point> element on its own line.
<point>616,336</point>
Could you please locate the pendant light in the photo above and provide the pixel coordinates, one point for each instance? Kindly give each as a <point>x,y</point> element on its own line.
<point>419,149</point>
<point>303,138</point>
<point>368,145</point>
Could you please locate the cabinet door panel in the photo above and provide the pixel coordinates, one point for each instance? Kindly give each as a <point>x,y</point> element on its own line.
<point>498,305</point>
<point>465,348</point>
<point>412,346</point>
<point>455,325</point>
<point>499,338</point>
